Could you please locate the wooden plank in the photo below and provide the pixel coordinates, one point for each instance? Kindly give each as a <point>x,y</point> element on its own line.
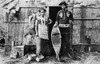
<point>77,13</point>
<point>8,40</point>
<point>89,11</point>
<point>20,34</point>
<point>98,13</point>
<point>94,13</point>
<point>76,32</point>
<point>88,24</point>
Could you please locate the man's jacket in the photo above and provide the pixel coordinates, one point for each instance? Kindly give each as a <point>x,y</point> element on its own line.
<point>64,16</point>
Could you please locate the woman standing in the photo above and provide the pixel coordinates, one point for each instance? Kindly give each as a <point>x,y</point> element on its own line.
<point>42,22</point>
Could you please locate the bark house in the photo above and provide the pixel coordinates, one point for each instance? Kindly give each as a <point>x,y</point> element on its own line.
<point>85,27</point>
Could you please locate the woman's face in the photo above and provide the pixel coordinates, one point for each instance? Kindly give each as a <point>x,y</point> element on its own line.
<point>42,12</point>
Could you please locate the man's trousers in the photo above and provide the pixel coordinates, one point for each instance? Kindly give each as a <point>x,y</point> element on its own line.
<point>65,44</point>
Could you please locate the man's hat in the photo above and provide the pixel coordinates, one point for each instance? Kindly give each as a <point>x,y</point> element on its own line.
<point>63,2</point>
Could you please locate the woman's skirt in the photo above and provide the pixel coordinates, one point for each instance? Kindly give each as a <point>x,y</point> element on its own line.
<point>43,31</point>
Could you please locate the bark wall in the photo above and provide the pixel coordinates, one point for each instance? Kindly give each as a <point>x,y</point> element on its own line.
<point>86,25</point>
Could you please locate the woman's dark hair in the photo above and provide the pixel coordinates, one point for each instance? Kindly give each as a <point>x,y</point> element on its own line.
<point>42,9</point>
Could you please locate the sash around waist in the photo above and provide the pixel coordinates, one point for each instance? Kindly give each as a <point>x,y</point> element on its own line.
<point>64,25</point>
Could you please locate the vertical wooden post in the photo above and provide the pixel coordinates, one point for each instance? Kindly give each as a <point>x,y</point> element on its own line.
<point>82,30</point>
<point>8,41</point>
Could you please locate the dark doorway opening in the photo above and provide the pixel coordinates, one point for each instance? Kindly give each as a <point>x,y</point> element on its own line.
<point>53,10</point>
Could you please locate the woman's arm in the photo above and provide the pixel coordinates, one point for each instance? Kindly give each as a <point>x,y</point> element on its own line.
<point>36,27</point>
<point>50,21</point>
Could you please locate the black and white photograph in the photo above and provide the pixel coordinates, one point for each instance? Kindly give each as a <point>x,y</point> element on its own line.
<point>49,31</point>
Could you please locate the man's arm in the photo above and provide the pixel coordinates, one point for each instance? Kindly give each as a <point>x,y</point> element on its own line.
<point>57,19</point>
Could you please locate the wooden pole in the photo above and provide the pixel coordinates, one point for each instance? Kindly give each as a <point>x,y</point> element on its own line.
<point>71,29</point>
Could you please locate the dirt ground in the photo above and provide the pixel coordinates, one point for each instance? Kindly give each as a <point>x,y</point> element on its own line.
<point>86,58</point>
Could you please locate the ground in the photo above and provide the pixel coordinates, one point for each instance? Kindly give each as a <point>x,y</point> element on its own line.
<point>86,58</point>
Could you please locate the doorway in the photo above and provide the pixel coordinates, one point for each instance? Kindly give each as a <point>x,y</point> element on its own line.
<point>53,10</point>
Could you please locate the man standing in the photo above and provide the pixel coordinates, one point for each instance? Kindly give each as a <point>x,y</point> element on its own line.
<point>64,19</point>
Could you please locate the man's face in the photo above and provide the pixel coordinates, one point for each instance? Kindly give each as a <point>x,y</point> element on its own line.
<point>63,6</point>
